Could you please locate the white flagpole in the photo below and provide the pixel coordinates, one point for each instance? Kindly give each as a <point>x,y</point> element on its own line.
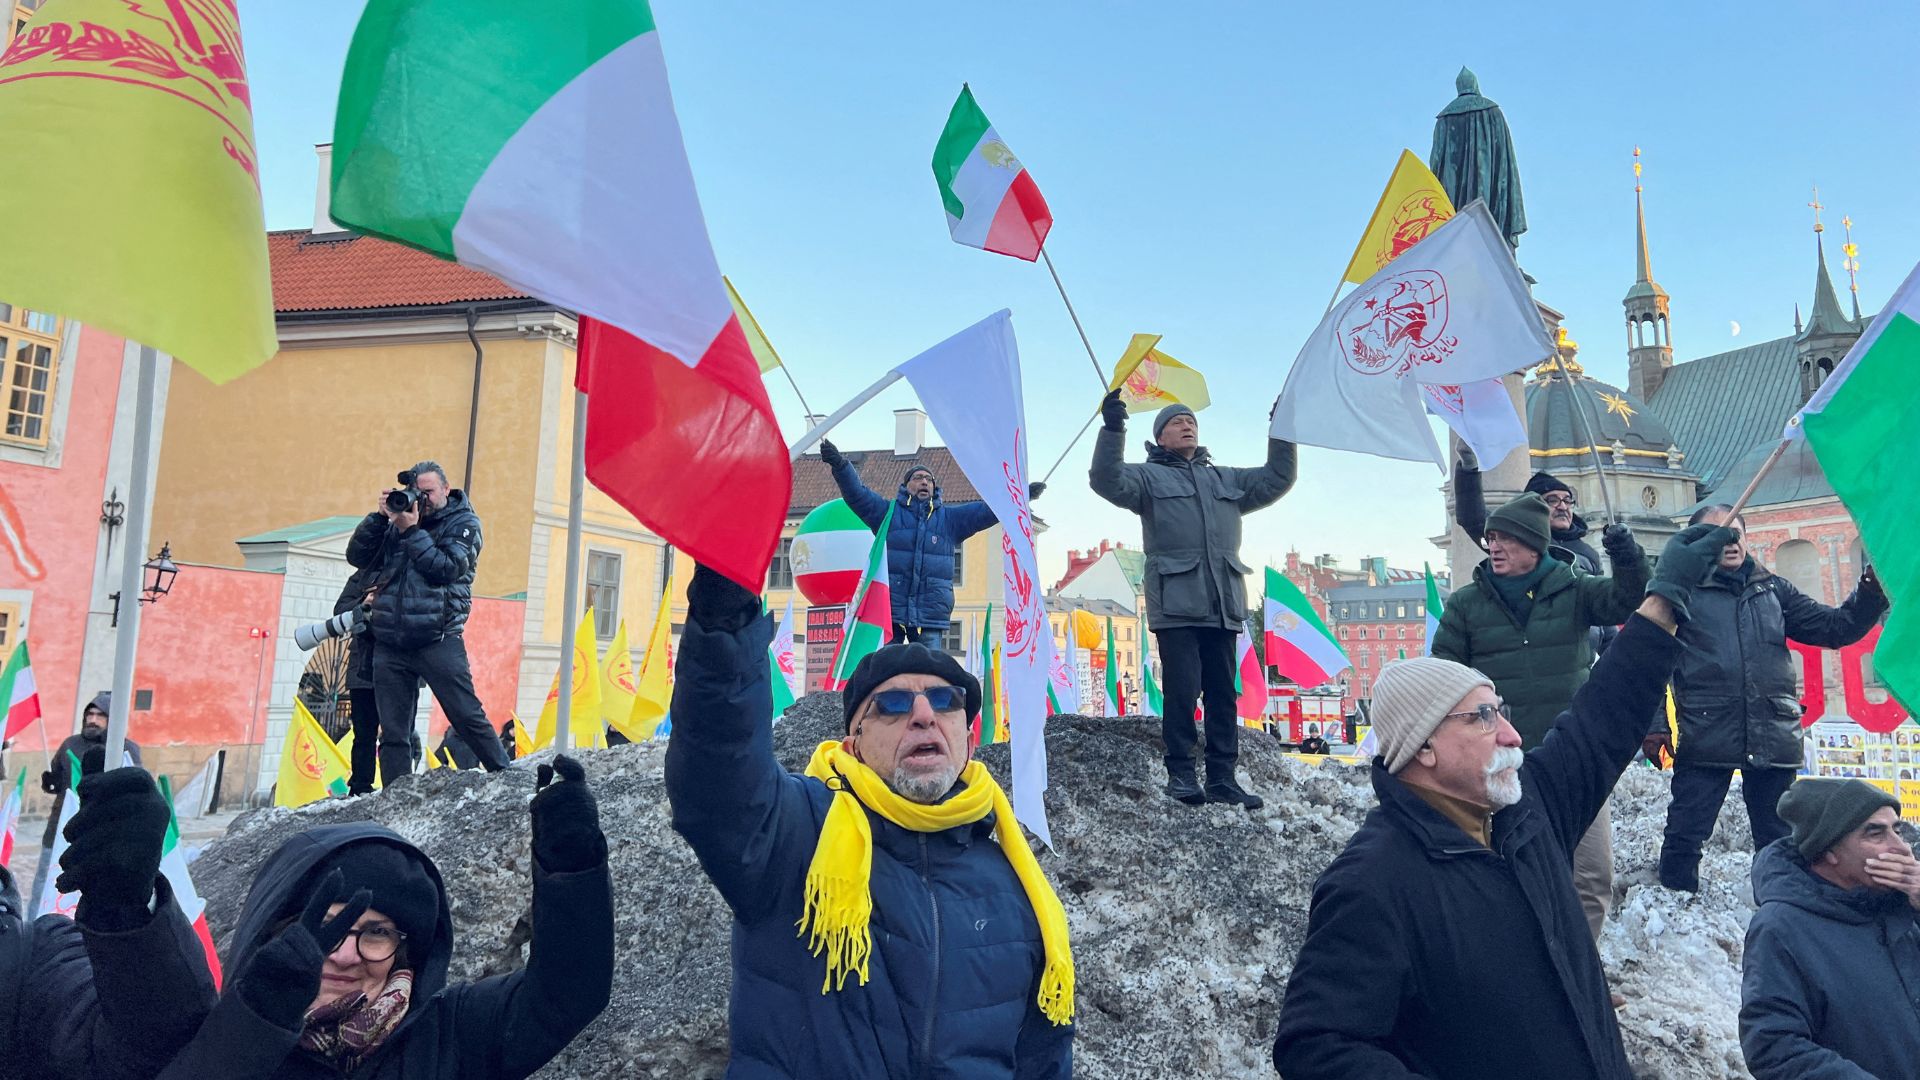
<point>570,595</point>
<point>132,558</point>
<point>820,430</point>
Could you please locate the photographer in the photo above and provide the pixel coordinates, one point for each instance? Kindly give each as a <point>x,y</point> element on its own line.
<point>423,543</point>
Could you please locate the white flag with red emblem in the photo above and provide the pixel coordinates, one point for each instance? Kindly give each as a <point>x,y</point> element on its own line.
<point>970,385</point>
<point>1482,414</point>
<point>1453,310</point>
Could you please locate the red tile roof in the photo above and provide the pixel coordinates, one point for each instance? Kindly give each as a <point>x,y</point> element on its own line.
<point>880,470</point>
<point>353,273</point>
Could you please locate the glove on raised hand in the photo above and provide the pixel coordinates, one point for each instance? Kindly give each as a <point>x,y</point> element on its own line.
<point>830,454</point>
<point>1035,489</point>
<point>1113,412</point>
<point>719,603</point>
<point>566,820</point>
<point>284,976</point>
<point>1618,540</point>
<point>1468,459</point>
<point>1686,561</point>
<point>113,845</point>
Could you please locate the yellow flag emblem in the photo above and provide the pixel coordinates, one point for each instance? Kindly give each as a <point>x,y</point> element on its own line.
<point>1412,206</point>
<point>1149,379</point>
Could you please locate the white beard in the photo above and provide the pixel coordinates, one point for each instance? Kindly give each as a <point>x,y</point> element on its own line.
<point>1503,777</point>
<point>923,789</point>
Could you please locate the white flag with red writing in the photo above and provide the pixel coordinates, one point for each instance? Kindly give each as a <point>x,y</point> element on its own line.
<point>1453,310</point>
<point>970,385</point>
<point>1482,414</point>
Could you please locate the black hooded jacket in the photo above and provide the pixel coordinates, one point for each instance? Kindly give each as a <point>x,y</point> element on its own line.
<point>81,1004</point>
<point>499,1028</point>
<point>425,575</point>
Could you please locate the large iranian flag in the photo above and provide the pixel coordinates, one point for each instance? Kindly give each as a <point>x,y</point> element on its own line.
<point>18,694</point>
<point>990,198</point>
<point>1298,643</point>
<point>870,620</point>
<point>1861,427</point>
<point>173,866</point>
<point>539,144</point>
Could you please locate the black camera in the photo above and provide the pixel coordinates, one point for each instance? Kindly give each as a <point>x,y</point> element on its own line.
<point>404,498</point>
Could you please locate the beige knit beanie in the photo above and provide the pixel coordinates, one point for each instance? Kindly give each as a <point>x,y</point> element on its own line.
<point>1411,697</point>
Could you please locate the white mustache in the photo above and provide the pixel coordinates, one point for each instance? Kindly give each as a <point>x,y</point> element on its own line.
<point>1504,758</point>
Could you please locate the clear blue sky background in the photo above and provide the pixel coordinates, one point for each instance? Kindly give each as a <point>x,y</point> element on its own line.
<point>1210,167</point>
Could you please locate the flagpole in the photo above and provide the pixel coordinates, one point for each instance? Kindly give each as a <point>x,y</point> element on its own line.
<point>1586,434</point>
<point>820,430</point>
<point>796,390</point>
<point>1070,446</point>
<point>1075,316</point>
<point>1754,484</point>
<point>570,595</point>
<point>132,560</point>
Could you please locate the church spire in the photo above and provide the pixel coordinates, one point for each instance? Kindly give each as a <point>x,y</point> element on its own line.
<point>1642,263</point>
<point>1649,335</point>
<point>1827,316</point>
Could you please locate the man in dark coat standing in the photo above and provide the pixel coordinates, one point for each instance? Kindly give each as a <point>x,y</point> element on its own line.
<point>1735,700</point>
<point>1446,940</point>
<point>1196,584</point>
<point>1832,961</point>
<point>923,544</point>
<point>1568,536</point>
<point>58,776</point>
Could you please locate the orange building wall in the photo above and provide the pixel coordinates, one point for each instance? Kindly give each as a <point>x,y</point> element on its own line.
<point>493,634</point>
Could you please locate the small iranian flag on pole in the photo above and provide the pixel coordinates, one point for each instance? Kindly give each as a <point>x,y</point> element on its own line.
<point>780,661</point>
<point>173,867</point>
<point>1299,645</point>
<point>870,618</point>
<point>1114,705</point>
<point>10,813</point>
<point>991,199</point>
<point>18,692</point>
<point>1155,704</point>
<point>51,900</point>
<point>1434,608</point>
<point>1250,680</point>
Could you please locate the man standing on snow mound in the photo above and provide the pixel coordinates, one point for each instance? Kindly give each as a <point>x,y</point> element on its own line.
<point>923,544</point>
<point>1832,960</point>
<point>1447,940</point>
<point>1190,511</point>
<point>888,917</point>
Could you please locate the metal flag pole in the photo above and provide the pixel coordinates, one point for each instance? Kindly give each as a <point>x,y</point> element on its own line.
<point>820,430</point>
<point>1075,316</point>
<point>1766,467</point>
<point>132,559</point>
<point>1070,446</point>
<point>570,595</point>
<point>1586,435</point>
<point>796,390</point>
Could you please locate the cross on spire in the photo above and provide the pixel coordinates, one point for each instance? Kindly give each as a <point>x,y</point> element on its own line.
<point>1817,207</point>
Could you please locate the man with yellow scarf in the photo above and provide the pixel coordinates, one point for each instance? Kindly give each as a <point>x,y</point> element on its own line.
<point>888,917</point>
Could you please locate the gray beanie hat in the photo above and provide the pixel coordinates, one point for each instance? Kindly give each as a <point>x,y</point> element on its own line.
<point>1823,810</point>
<point>1165,415</point>
<point>1411,697</point>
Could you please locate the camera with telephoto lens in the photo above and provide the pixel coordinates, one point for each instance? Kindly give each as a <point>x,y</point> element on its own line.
<point>351,621</point>
<point>407,495</point>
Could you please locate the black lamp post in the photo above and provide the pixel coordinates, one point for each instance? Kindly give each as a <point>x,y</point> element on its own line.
<point>159,580</point>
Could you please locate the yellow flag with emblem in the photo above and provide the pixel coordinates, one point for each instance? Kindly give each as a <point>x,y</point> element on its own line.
<point>1413,205</point>
<point>140,211</point>
<point>1149,379</point>
<point>756,338</point>
<point>311,765</point>
<point>617,685</point>
<point>585,720</point>
<point>654,692</point>
<point>522,737</point>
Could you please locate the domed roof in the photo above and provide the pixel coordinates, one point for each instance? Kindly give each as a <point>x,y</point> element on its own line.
<point>1615,417</point>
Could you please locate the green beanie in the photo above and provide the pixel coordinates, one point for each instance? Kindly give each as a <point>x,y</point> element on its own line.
<point>1527,519</point>
<point>1823,810</point>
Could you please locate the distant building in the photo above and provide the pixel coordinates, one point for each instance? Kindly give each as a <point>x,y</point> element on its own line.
<point>1375,624</point>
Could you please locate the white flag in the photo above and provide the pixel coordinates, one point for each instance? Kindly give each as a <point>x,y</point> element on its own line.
<point>970,385</point>
<point>1451,311</point>
<point>783,654</point>
<point>195,796</point>
<point>1482,414</point>
<point>1066,694</point>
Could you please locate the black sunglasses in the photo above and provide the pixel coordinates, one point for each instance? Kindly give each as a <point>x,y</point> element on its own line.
<point>894,704</point>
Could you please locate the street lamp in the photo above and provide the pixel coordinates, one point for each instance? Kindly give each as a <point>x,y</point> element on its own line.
<point>160,572</point>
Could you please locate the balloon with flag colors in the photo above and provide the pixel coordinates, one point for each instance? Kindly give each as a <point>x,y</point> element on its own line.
<point>829,553</point>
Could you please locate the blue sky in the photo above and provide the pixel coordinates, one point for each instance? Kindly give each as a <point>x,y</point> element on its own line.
<point>1210,167</point>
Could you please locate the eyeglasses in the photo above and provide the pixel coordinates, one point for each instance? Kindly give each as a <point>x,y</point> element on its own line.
<point>1558,499</point>
<point>1485,717</point>
<point>896,704</point>
<point>377,942</point>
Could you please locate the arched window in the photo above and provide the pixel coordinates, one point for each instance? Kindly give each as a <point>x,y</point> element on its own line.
<point>1799,562</point>
<point>1403,633</point>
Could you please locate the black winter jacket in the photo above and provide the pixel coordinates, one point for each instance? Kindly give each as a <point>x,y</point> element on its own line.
<point>1429,955</point>
<point>80,1004</point>
<point>360,645</point>
<point>954,973</point>
<point>500,1028</point>
<point>425,574</point>
<point>922,545</point>
<point>1569,545</point>
<point>1734,690</point>
<point>1830,985</point>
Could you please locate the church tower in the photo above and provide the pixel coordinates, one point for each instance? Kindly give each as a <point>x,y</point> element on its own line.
<point>1819,347</point>
<point>1649,335</point>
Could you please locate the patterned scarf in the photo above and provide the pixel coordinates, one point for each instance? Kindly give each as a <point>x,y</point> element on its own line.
<point>839,902</point>
<point>352,1026</point>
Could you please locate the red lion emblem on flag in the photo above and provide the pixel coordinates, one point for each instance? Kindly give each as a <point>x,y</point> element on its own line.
<point>1398,325</point>
<point>1417,215</point>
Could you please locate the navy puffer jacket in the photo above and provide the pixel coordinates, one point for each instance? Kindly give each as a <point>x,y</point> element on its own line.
<point>954,974</point>
<point>425,575</point>
<point>921,546</point>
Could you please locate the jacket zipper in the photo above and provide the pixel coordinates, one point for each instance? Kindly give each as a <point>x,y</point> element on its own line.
<point>933,995</point>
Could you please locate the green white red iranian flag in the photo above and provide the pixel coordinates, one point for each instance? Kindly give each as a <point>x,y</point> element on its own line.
<point>10,817</point>
<point>1434,608</point>
<point>1116,704</point>
<point>870,620</point>
<point>1299,645</point>
<point>540,144</point>
<point>990,198</point>
<point>1249,680</point>
<point>18,693</point>
<point>173,867</point>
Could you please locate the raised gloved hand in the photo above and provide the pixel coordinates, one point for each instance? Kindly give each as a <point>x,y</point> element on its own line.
<point>1468,459</point>
<point>1656,744</point>
<point>284,976</point>
<point>719,603</point>
<point>1113,412</point>
<point>46,782</point>
<point>566,820</point>
<point>1618,540</point>
<point>1686,561</point>
<point>113,846</point>
<point>830,454</point>
<point>1035,489</point>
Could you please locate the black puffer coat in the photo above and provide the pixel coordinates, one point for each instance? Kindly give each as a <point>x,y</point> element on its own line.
<point>1734,691</point>
<point>425,574</point>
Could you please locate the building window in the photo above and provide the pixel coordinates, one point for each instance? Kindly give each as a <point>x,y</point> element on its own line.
<point>780,574</point>
<point>1343,633</point>
<point>1366,659</point>
<point>29,362</point>
<point>1420,611</point>
<point>959,565</point>
<point>1379,611</point>
<point>1403,633</point>
<point>9,628</point>
<point>603,591</point>
<point>953,640</point>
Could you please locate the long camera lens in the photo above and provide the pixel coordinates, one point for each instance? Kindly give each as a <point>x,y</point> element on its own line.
<point>401,500</point>
<point>311,635</point>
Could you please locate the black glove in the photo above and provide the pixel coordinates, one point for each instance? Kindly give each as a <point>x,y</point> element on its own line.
<point>1035,489</point>
<point>1113,411</point>
<point>113,843</point>
<point>1469,459</point>
<point>284,976</point>
<point>566,820</point>
<point>830,454</point>
<point>1618,540</point>
<point>718,602</point>
<point>46,783</point>
<point>1686,561</point>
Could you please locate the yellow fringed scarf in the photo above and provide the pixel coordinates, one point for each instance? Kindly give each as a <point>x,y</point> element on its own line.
<point>839,902</point>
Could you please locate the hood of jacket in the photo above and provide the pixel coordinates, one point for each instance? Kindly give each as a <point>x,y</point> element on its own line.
<point>286,881</point>
<point>1160,455</point>
<point>458,506</point>
<point>1780,876</point>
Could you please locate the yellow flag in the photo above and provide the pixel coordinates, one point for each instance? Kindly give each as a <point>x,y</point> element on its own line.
<point>756,338</point>
<point>133,203</point>
<point>585,722</point>
<point>1149,379</point>
<point>1413,205</point>
<point>1086,630</point>
<point>522,736</point>
<point>654,694</point>
<point>617,679</point>
<point>433,760</point>
<point>311,766</point>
